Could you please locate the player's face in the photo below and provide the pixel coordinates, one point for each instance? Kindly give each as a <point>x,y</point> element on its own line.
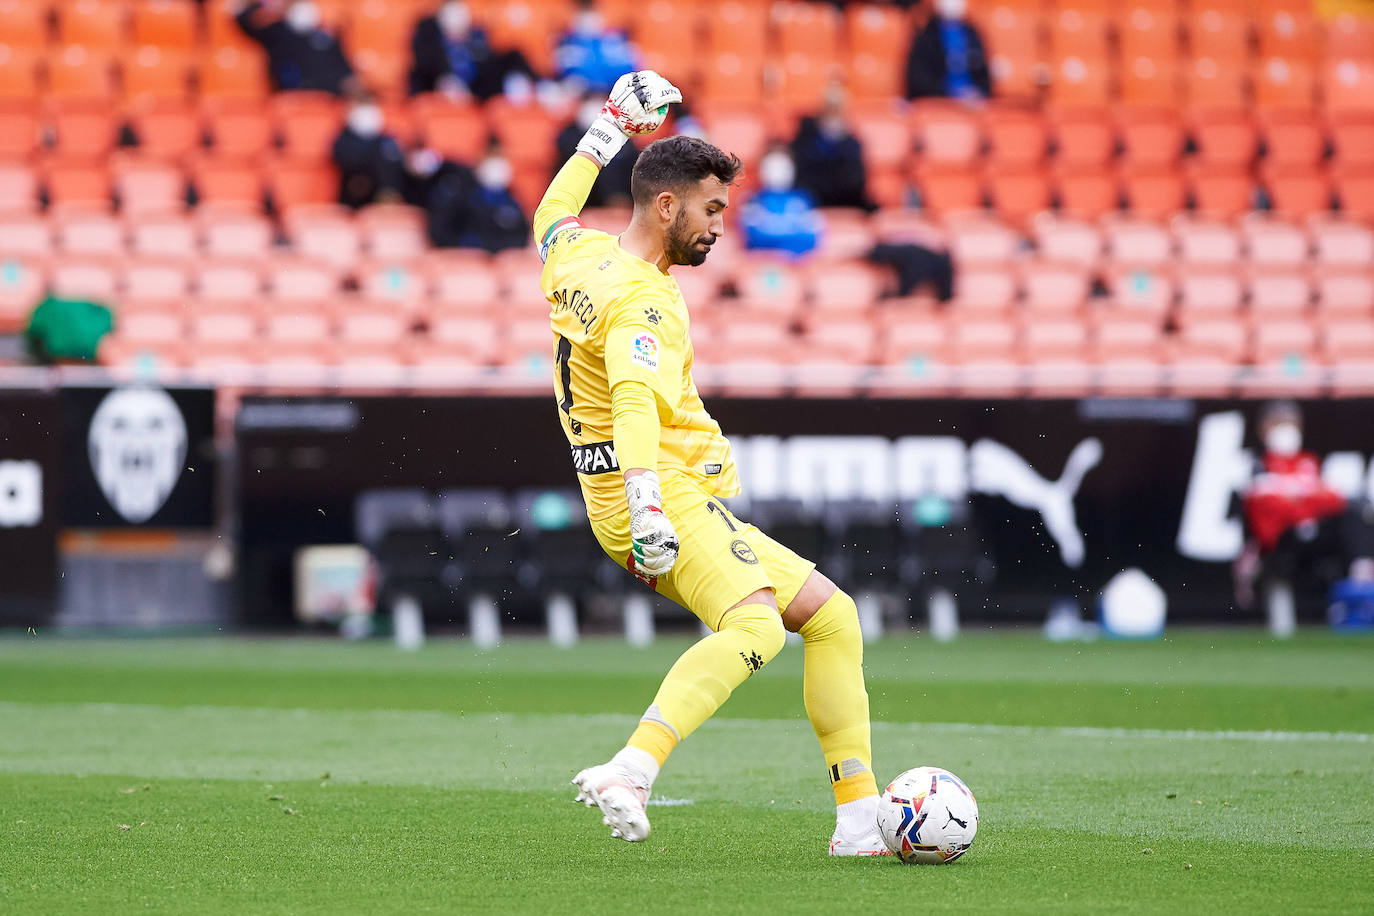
<point>699,222</point>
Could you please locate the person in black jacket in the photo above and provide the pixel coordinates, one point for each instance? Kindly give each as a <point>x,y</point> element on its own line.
<point>300,54</point>
<point>370,164</point>
<point>495,219</point>
<point>444,190</point>
<point>453,56</point>
<point>829,158</point>
<point>947,58</point>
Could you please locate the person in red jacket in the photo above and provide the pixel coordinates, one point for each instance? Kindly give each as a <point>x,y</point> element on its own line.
<point>1302,532</point>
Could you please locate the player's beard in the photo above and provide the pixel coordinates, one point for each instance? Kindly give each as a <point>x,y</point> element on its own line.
<point>681,245</point>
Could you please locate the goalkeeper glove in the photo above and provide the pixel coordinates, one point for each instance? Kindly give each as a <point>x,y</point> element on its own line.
<point>652,537</point>
<point>637,105</point>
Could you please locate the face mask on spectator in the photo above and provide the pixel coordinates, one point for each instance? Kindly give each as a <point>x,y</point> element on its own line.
<point>425,162</point>
<point>950,9</point>
<point>776,171</point>
<point>365,120</point>
<point>303,17</point>
<point>454,18</point>
<point>587,22</point>
<point>1283,439</point>
<point>493,173</point>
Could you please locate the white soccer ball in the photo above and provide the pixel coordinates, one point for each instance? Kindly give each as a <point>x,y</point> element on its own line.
<point>927,816</point>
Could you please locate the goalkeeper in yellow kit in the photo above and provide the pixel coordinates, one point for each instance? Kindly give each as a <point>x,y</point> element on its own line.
<point>653,466</point>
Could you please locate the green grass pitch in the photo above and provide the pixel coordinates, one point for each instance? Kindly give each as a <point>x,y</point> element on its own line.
<point>1213,772</point>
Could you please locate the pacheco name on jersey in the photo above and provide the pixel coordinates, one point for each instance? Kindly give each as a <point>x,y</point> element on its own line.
<point>577,302</point>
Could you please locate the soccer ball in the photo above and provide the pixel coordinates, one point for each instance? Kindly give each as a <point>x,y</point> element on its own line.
<point>927,816</point>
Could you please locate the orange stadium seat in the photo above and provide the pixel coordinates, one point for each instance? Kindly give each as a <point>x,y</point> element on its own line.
<point>1043,340</point>
<point>330,238</point>
<point>1348,85</point>
<point>300,279</point>
<point>1139,291</point>
<point>27,236</point>
<point>162,236</point>
<point>729,78</point>
<point>1080,82</point>
<point>455,130</point>
<point>162,279</point>
<point>233,231</point>
<point>18,188</point>
<point>1018,194</point>
<point>1057,290</point>
<point>1148,80</point>
<point>1224,137</point>
<point>1293,138</point>
<point>881,30</point>
<point>234,72</point>
<point>94,279</point>
<point>1215,82</point>
<point>1154,193</point>
<point>170,131</point>
<point>1346,340</point>
<point>1117,339</point>
<point>1076,31</point>
<point>165,23</point>
<point>1206,241</point>
<point>307,123</point>
<point>1288,32</point>
<point>1219,33</point>
<point>24,23</point>
<point>1347,293</point>
<point>81,72</point>
<point>1083,137</point>
<point>1284,340</point>
<point>1227,341</point>
<point>1274,243</point>
<point>1137,242</point>
<point>236,282</point>
<point>220,325</point>
<point>985,291</point>
<point>737,27</point>
<point>82,128</point>
<point>1352,136</point>
<point>297,322</point>
<point>239,130</point>
<point>1284,83</point>
<point>96,24</point>
<point>1016,136</point>
<point>767,287</point>
<point>90,232</point>
<point>153,72</point>
<point>844,288</point>
<point>19,72</point>
<point>1086,193</point>
<point>982,340</point>
<point>802,81</point>
<point>1279,294</point>
<point>1298,192</point>
<point>290,183</point>
<point>982,241</point>
<point>221,181</point>
<point>1148,30</point>
<point>1150,137</point>
<point>393,232</point>
<point>21,285</point>
<point>1350,35</point>
<point>1209,293</point>
<point>1223,192</point>
<point>150,187</point>
<point>854,341</point>
<point>1067,240</point>
<point>20,130</point>
<point>528,136</point>
<point>885,137</point>
<point>1356,192</point>
<point>77,183</point>
<point>740,132</point>
<point>1341,243</point>
<point>949,189</point>
<point>809,29</point>
<point>531,27</point>
<point>947,133</point>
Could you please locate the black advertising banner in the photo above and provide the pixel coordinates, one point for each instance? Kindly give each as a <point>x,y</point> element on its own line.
<point>138,456</point>
<point>1062,494</point>
<point>29,451</point>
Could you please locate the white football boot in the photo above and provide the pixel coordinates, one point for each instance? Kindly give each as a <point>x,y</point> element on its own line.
<point>621,794</point>
<point>870,844</point>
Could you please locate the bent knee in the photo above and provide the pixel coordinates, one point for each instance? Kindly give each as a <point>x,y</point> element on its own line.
<point>838,618</point>
<point>763,625</point>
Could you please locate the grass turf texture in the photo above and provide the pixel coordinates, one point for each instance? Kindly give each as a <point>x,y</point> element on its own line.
<point>314,776</point>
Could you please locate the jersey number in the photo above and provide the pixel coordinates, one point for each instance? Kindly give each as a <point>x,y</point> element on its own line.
<point>565,377</point>
<point>713,506</point>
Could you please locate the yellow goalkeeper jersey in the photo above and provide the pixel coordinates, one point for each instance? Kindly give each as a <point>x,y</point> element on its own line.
<point>616,317</point>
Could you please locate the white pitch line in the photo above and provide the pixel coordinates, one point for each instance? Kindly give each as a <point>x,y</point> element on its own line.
<point>969,728</point>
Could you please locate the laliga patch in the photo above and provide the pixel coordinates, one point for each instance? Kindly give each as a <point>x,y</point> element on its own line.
<point>644,351</point>
<point>743,552</point>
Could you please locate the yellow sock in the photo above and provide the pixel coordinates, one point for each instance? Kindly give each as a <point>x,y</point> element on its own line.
<point>836,702</point>
<point>704,676</point>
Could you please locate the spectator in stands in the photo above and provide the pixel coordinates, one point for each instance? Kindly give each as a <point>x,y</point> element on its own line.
<point>591,55</point>
<point>780,217</point>
<point>494,219</point>
<point>829,158</point>
<point>444,190</point>
<point>947,57</point>
<point>612,188</point>
<point>453,56</point>
<point>1299,527</point>
<point>300,54</point>
<point>371,167</point>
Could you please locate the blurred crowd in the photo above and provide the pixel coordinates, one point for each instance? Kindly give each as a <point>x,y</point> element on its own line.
<point>470,204</point>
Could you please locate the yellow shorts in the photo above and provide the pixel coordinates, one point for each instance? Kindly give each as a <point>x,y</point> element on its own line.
<point>721,560</point>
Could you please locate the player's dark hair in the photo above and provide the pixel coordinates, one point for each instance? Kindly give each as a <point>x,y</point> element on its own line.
<point>675,163</point>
